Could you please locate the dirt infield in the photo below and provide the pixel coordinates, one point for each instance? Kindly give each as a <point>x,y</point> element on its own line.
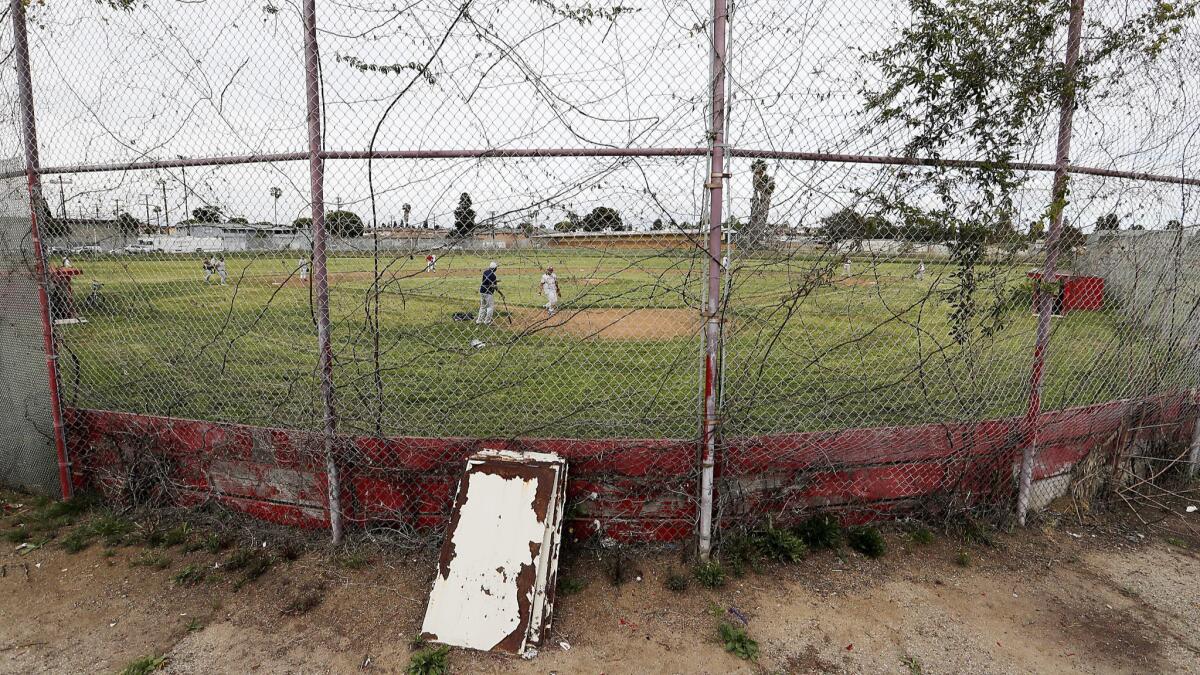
<point>607,324</point>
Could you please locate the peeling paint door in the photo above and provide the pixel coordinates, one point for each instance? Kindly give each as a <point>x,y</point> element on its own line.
<point>496,572</point>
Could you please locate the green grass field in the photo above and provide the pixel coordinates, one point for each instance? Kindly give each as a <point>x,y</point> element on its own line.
<point>620,360</point>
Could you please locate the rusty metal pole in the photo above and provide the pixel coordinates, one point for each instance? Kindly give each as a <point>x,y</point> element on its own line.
<point>34,184</point>
<point>320,277</point>
<point>712,307</point>
<point>1058,201</point>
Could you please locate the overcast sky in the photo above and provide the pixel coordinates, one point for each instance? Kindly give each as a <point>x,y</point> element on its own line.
<point>223,77</point>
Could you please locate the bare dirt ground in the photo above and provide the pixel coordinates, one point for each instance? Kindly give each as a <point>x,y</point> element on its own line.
<point>1063,599</point>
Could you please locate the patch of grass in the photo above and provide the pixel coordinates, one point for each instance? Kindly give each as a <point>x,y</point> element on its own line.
<point>676,582</point>
<point>962,559</point>
<point>922,536</point>
<point>17,536</point>
<point>739,553</point>
<point>352,560</point>
<point>913,665</point>
<point>867,540</point>
<point>429,661</point>
<point>250,562</point>
<point>190,575</point>
<point>194,624</point>
<point>113,529</point>
<point>215,543</point>
<point>569,586</point>
<point>239,559</point>
<point>152,559</point>
<point>821,531</point>
<point>73,507</point>
<point>79,539</point>
<point>1176,541</point>
<point>737,641</point>
<point>710,574</point>
<point>177,535</point>
<point>144,665</point>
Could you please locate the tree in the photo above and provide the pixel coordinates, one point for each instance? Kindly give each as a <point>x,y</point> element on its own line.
<point>1174,224</point>
<point>344,224</point>
<point>1037,230</point>
<point>843,225</point>
<point>1137,227</point>
<point>464,216</point>
<point>206,214</point>
<point>527,228</point>
<point>601,218</point>
<point>238,220</point>
<point>757,233</point>
<point>276,193</point>
<point>127,224</point>
<point>302,223</point>
<point>1072,237</point>
<point>657,225</point>
<point>564,226</point>
<point>407,209</point>
<point>1108,223</point>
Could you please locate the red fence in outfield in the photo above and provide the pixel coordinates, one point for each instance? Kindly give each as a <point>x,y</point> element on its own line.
<point>629,490</point>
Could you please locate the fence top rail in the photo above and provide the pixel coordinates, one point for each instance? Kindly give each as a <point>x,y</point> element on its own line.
<point>519,153</point>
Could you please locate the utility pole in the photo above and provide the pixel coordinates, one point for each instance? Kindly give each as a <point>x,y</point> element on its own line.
<point>62,196</point>
<point>166,221</point>
<point>146,197</point>
<point>187,214</point>
<point>116,208</point>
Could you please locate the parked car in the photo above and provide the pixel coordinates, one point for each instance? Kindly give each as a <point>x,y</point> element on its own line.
<point>86,250</point>
<point>138,249</point>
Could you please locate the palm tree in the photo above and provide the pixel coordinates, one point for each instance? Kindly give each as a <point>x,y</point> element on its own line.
<point>407,208</point>
<point>276,193</point>
<point>157,212</point>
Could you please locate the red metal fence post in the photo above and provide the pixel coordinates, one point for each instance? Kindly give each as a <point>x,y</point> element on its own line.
<point>1058,201</point>
<point>34,181</point>
<point>316,170</point>
<point>709,428</point>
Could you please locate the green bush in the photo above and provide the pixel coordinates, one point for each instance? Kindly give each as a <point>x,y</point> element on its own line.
<point>737,641</point>
<point>429,661</point>
<point>779,544</point>
<point>866,540</point>
<point>821,531</point>
<point>710,574</point>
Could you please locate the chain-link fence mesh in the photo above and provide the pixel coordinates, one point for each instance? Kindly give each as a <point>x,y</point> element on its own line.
<point>516,196</point>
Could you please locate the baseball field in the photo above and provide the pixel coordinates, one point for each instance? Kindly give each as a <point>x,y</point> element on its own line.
<point>809,344</point>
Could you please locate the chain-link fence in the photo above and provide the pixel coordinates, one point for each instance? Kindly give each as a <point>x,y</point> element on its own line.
<point>735,260</point>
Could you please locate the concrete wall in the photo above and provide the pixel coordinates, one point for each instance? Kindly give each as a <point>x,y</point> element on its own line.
<point>27,455</point>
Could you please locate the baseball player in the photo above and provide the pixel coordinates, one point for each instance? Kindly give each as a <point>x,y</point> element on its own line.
<point>549,287</point>
<point>303,269</point>
<point>487,290</point>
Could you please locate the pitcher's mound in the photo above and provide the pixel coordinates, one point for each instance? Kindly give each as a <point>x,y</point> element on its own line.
<point>608,324</point>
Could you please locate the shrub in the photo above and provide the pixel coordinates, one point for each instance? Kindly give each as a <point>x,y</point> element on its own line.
<point>429,661</point>
<point>820,532</point>
<point>866,540</point>
<point>779,544</point>
<point>190,575</point>
<point>710,574</point>
<point>922,536</point>
<point>676,582</point>
<point>737,641</point>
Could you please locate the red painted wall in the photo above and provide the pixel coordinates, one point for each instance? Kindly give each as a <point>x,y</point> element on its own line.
<point>633,490</point>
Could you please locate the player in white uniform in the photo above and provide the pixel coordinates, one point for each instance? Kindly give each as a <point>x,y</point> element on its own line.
<point>303,269</point>
<point>549,286</point>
